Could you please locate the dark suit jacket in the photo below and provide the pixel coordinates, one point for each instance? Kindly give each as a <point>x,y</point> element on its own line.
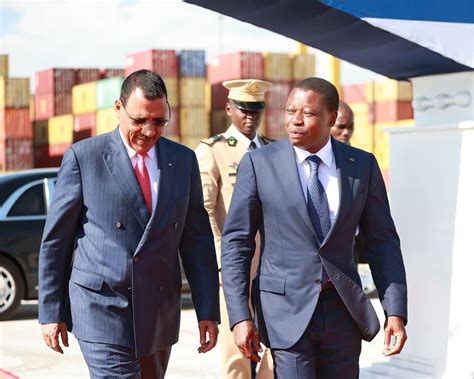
<point>268,197</point>
<point>116,266</point>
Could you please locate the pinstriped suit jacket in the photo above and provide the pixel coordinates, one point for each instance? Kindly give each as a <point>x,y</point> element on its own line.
<point>110,270</point>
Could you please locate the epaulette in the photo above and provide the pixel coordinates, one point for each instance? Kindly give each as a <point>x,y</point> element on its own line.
<point>266,140</point>
<point>212,140</point>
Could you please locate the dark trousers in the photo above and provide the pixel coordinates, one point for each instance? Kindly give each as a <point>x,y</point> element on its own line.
<point>329,348</point>
<point>113,361</point>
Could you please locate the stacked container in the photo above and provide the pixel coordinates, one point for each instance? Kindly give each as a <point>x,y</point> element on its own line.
<point>84,105</point>
<point>15,124</point>
<point>108,90</point>
<point>193,115</point>
<point>230,66</point>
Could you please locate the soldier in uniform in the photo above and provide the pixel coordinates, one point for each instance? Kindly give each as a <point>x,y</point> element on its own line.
<point>219,158</point>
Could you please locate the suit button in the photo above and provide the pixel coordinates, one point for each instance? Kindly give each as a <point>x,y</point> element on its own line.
<point>118,224</point>
<point>129,288</point>
<point>164,260</point>
<point>162,289</point>
<point>136,259</point>
<point>318,281</point>
<point>175,225</point>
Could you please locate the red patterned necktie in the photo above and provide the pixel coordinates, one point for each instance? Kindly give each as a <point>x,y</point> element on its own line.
<point>144,179</point>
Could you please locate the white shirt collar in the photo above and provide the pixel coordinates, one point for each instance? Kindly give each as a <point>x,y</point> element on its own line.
<point>242,138</point>
<point>325,154</point>
<point>132,153</point>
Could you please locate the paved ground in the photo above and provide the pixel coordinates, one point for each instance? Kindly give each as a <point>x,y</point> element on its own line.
<point>23,354</point>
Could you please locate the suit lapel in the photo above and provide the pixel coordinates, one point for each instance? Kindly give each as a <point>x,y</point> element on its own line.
<point>118,163</point>
<point>287,171</point>
<point>345,168</point>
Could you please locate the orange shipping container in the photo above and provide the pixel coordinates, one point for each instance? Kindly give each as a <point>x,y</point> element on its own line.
<point>194,122</point>
<point>15,123</point>
<point>393,111</point>
<point>392,90</point>
<point>363,113</point>
<point>60,129</point>
<point>4,65</point>
<point>358,93</point>
<point>16,154</point>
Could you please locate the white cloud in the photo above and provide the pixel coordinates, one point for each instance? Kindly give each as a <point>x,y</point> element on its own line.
<point>100,33</point>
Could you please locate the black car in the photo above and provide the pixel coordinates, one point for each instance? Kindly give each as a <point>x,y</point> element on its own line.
<point>24,201</point>
<point>25,197</point>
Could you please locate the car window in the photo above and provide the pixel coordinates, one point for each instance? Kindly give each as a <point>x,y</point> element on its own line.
<point>30,203</point>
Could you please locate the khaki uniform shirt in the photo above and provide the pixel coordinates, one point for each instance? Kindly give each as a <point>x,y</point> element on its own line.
<point>219,158</point>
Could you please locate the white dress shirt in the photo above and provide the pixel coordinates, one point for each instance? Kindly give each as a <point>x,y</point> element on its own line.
<point>242,138</point>
<point>151,162</point>
<point>327,174</point>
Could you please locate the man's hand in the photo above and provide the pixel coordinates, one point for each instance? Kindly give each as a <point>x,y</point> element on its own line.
<point>394,327</point>
<point>247,340</point>
<point>51,334</point>
<point>210,328</point>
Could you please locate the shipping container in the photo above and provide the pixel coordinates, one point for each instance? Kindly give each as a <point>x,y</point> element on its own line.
<point>4,65</point>
<point>274,127</point>
<point>192,142</point>
<point>363,112</point>
<point>277,96</point>
<point>85,75</point>
<point>172,88</point>
<point>106,120</point>
<point>392,90</point>
<point>363,137</point>
<point>192,92</point>
<point>220,121</point>
<point>219,96</point>
<point>277,66</point>
<point>164,62</point>
<point>173,129</point>
<point>42,158</point>
<point>58,149</point>
<point>60,129</point>
<point>194,122</point>
<point>106,73</point>
<point>84,98</point>
<point>47,106</point>
<point>15,123</point>
<point>84,126</point>
<point>40,133</point>
<point>14,92</point>
<point>358,93</point>
<point>303,66</point>
<point>393,111</point>
<point>108,90</point>
<point>16,154</point>
<point>192,63</point>
<point>55,81</point>
<point>238,65</point>
<point>32,107</point>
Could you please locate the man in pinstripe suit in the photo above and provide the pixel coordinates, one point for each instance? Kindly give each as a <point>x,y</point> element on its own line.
<point>124,204</point>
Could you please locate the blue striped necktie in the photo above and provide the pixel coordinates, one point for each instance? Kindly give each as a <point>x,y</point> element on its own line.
<point>318,206</point>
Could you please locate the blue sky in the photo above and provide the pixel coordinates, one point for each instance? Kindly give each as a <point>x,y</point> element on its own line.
<point>39,34</point>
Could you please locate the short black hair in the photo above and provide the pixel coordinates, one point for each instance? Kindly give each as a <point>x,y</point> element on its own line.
<point>151,84</point>
<point>324,88</point>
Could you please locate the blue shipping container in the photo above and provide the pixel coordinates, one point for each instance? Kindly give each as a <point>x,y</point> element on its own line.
<point>192,63</point>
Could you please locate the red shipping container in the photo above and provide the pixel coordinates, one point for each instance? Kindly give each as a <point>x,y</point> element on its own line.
<point>48,105</point>
<point>82,134</point>
<point>43,159</point>
<point>164,62</point>
<point>84,121</point>
<point>57,149</point>
<point>277,96</point>
<point>16,154</point>
<point>219,96</point>
<point>393,111</point>
<point>54,81</point>
<point>62,104</point>
<point>275,123</point>
<point>355,93</point>
<point>239,65</point>
<point>15,123</point>
<point>85,75</point>
<point>172,129</point>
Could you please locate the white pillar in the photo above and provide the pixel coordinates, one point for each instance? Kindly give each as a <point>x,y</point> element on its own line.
<point>432,200</point>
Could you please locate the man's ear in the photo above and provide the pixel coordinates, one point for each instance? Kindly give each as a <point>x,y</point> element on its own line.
<point>227,109</point>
